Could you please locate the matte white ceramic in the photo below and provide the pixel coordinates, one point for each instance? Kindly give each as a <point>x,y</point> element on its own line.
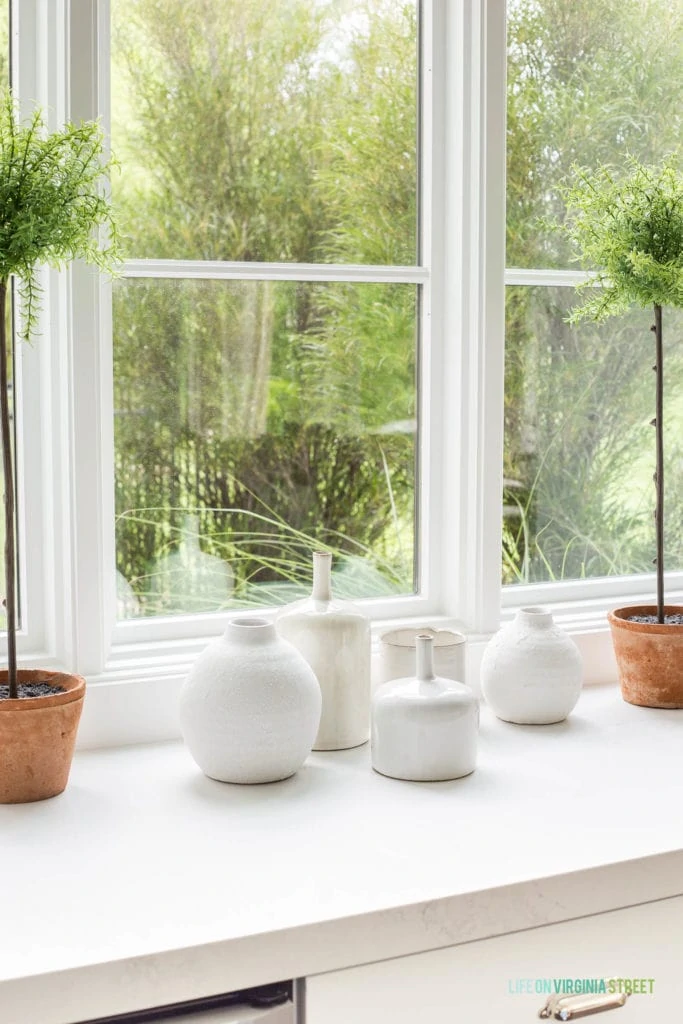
<point>531,671</point>
<point>397,653</point>
<point>424,728</point>
<point>334,638</point>
<point>250,708</point>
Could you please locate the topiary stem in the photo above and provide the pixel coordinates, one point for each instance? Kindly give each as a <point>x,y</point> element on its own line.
<point>659,473</point>
<point>10,545</point>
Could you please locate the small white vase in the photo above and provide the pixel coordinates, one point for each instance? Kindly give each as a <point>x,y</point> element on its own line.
<point>397,653</point>
<point>531,671</point>
<point>424,729</point>
<point>250,708</point>
<point>334,638</point>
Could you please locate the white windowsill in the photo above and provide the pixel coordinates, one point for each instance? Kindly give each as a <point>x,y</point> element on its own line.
<point>172,886</point>
<point>135,699</point>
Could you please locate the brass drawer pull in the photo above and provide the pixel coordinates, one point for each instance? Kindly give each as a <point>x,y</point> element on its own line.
<point>573,1007</point>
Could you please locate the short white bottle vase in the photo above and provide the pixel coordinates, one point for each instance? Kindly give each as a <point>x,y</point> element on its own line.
<point>424,729</point>
<point>531,671</point>
<point>250,708</point>
<point>334,638</point>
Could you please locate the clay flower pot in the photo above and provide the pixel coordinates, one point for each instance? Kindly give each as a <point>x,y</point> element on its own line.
<point>649,657</point>
<point>37,738</point>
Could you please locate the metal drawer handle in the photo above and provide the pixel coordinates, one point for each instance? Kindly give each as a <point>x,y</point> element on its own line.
<point>573,1007</point>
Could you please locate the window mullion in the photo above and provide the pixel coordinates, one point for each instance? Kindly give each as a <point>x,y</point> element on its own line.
<point>474,316</point>
<point>37,66</point>
<point>91,494</point>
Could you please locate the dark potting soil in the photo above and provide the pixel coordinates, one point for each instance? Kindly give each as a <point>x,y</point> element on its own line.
<point>31,690</point>
<point>669,620</point>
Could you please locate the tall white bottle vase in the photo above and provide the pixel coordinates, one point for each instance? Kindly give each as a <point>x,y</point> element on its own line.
<point>334,638</point>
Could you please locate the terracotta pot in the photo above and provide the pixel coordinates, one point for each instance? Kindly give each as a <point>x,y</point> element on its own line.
<point>649,657</point>
<point>37,738</point>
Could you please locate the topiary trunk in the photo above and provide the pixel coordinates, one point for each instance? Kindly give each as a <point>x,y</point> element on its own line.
<point>10,542</point>
<point>658,423</point>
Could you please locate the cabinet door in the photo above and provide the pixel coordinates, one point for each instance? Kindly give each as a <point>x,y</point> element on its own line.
<point>489,981</point>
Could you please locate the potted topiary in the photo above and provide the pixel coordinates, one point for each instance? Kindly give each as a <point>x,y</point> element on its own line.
<point>51,203</point>
<point>629,229</point>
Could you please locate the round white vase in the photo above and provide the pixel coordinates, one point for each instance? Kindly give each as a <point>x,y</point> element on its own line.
<point>334,638</point>
<point>424,729</point>
<point>531,671</point>
<point>250,708</point>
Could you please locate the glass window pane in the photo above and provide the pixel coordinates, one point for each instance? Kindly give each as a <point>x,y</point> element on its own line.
<point>4,81</point>
<point>588,81</point>
<point>269,130</point>
<point>255,422</point>
<point>579,448</point>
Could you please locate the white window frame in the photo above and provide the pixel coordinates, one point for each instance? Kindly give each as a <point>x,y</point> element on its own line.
<point>65,420</point>
<point>439,373</point>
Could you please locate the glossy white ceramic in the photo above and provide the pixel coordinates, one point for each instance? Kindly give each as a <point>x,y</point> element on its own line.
<point>334,638</point>
<point>424,728</point>
<point>250,708</point>
<point>397,655</point>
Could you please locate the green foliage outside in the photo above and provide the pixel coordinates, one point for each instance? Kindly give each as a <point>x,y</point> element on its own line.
<point>629,228</point>
<point>303,127</point>
<point>589,82</point>
<point>282,130</point>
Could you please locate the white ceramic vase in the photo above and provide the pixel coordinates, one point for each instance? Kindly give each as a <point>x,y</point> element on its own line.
<point>397,653</point>
<point>531,671</point>
<point>424,729</point>
<point>334,638</point>
<point>250,708</point>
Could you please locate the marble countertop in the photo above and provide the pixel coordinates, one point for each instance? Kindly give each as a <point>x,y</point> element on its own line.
<point>146,883</point>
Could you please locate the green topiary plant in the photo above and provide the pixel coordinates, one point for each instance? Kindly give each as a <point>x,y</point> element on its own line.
<point>628,229</point>
<point>51,204</point>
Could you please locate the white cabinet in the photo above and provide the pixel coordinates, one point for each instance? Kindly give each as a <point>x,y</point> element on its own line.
<point>486,982</point>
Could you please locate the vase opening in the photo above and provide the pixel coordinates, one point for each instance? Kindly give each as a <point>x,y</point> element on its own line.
<point>536,616</point>
<point>322,576</point>
<point>249,623</point>
<point>424,657</point>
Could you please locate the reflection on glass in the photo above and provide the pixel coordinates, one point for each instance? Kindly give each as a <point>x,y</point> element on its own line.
<point>579,450</point>
<point>588,81</point>
<point>255,422</point>
<point>270,130</point>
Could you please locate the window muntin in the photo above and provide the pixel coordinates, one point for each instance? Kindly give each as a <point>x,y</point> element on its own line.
<point>587,83</point>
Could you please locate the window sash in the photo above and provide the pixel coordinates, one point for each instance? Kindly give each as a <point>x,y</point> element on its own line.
<point>66,423</point>
<point>424,602</point>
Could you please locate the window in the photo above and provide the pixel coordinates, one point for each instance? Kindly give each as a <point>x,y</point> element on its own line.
<point>306,344</point>
<point>293,309</point>
<point>587,83</point>
<point>268,322</point>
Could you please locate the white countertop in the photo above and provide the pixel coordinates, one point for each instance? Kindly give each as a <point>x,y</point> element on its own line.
<point>147,883</point>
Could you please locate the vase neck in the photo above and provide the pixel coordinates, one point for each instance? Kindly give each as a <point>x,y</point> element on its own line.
<point>535,618</point>
<point>322,576</point>
<point>424,646</point>
<point>250,631</point>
